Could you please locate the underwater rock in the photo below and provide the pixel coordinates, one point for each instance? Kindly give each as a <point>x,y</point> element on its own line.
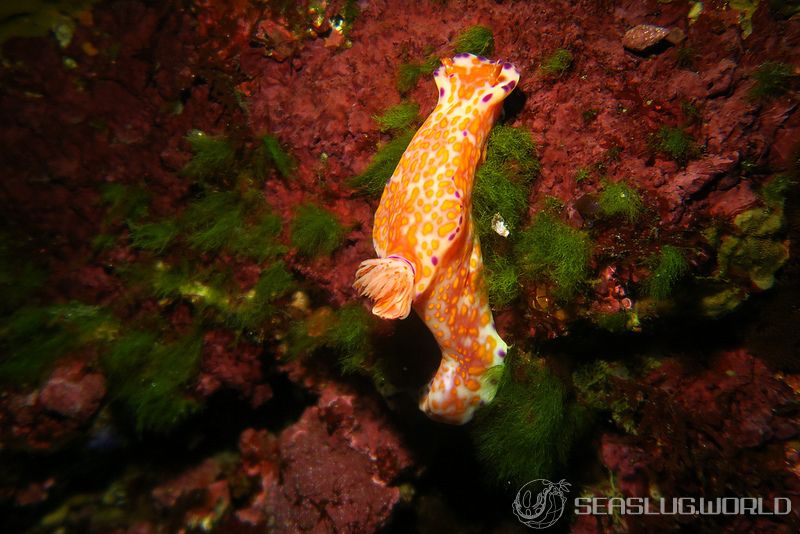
<point>202,492</point>
<point>719,79</point>
<point>52,416</point>
<point>697,176</point>
<point>628,462</point>
<point>73,391</point>
<point>708,429</point>
<point>232,364</point>
<point>329,471</point>
<point>167,494</point>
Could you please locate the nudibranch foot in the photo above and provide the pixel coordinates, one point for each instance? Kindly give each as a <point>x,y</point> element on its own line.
<point>390,283</point>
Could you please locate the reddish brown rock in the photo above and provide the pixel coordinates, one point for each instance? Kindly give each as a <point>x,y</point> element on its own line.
<point>330,471</point>
<point>232,364</point>
<point>73,391</point>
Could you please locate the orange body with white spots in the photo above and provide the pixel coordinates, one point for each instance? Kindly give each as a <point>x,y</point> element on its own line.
<point>429,254</point>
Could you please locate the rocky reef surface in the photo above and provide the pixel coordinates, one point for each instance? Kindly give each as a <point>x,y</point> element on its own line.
<point>188,188</point>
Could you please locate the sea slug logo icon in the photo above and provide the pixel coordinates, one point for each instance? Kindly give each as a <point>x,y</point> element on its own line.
<point>540,503</point>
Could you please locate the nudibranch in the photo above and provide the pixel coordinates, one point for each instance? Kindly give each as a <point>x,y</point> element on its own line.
<point>429,253</point>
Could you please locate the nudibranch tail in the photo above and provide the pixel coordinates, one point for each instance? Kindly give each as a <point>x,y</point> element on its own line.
<point>389,282</point>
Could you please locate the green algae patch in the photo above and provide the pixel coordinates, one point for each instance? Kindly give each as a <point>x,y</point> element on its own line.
<point>154,236</point>
<point>150,377</point>
<point>528,430</point>
<point>349,335</point>
<point>620,199</point>
<point>556,64</point>
<point>316,231</point>
<point>617,322</point>
<point>497,193</point>
<point>582,174</point>
<point>226,220</point>
<point>275,282</point>
<point>258,240</point>
<point>212,221</point>
<point>774,192</point>
<point>270,154</point>
<point>676,144</point>
<point>398,117</point>
<point>502,183</point>
<point>669,268</point>
<point>33,338</point>
<point>596,388</point>
<point>772,79</point>
<point>556,252</point>
<point>346,333</point>
<point>502,280</point>
<point>213,158</point>
<point>514,146</point>
<point>721,300</point>
<point>755,250</point>
<point>382,166</point>
<point>477,40</point>
<point>125,202</point>
<point>408,74</point>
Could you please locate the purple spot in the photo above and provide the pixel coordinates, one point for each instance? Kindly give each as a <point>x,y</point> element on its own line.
<point>460,219</point>
<point>487,97</point>
<point>501,353</point>
<point>509,85</point>
<point>481,58</point>
<point>463,54</point>
<point>451,237</point>
<point>458,195</point>
<point>441,91</point>
<point>465,133</point>
<point>507,66</point>
<point>434,260</point>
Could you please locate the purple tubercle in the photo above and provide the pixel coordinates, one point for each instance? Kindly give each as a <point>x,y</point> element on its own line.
<point>465,133</point>
<point>501,353</point>
<point>507,66</point>
<point>460,219</point>
<point>451,237</point>
<point>481,58</point>
<point>486,98</point>
<point>441,91</point>
<point>510,85</point>
<point>458,195</point>
<point>434,260</point>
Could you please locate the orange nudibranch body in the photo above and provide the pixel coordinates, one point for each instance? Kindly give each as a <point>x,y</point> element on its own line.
<point>429,254</point>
